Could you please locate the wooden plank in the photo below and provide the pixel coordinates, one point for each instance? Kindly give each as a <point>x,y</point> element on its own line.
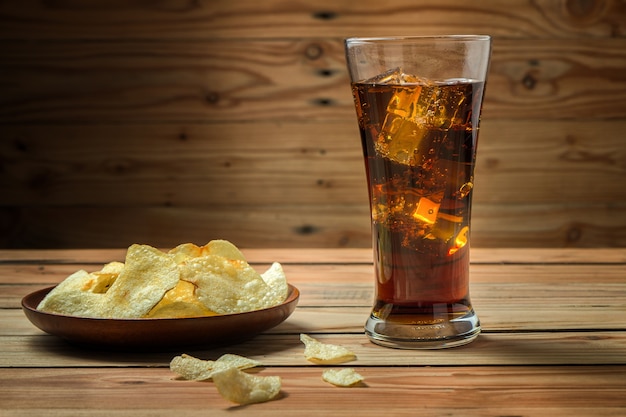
<point>560,161</point>
<point>489,349</point>
<point>499,308</point>
<point>243,80</point>
<point>422,391</point>
<point>326,275</point>
<point>30,19</point>
<point>306,226</point>
<point>258,226</point>
<point>172,165</point>
<point>348,256</point>
<point>23,277</point>
<point>504,295</point>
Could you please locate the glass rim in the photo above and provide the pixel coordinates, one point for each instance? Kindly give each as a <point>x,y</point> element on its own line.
<point>390,39</point>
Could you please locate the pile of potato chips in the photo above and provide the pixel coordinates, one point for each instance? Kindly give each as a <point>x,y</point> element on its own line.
<point>187,281</point>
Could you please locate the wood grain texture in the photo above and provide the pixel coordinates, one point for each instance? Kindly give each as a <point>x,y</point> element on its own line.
<point>183,19</point>
<point>263,163</point>
<point>501,349</point>
<point>302,226</point>
<point>43,258</point>
<point>170,121</point>
<point>278,79</point>
<point>550,183</point>
<point>426,391</point>
<point>554,343</point>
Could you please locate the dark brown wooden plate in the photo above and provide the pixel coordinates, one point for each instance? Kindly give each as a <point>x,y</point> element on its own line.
<point>158,333</point>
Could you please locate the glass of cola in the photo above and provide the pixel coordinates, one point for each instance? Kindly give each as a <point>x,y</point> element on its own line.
<point>418,102</point>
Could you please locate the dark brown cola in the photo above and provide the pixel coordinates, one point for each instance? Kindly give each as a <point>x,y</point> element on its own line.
<point>419,141</point>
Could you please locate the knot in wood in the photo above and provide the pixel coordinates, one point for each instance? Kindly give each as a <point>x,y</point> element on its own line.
<point>574,234</point>
<point>529,81</point>
<point>313,51</point>
<point>325,15</point>
<point>323,102</point>
<point>212,97</point>
<point>306,229</point>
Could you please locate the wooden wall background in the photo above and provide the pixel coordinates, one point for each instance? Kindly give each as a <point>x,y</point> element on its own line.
<point>169,121</point>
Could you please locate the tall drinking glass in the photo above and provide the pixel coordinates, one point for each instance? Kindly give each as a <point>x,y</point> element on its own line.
<point>418,102</point>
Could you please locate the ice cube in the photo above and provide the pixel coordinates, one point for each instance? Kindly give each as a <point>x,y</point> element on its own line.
<point>426,211</point>
<point>392,76</point>
<point>397,76</point>
<point>446,227</point>
<point>402,134</point>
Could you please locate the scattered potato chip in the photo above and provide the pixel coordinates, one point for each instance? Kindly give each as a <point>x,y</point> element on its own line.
<point>191,368</point>
<point>242,388</point>
<point>194,369</point>
<point>345,377</point>
<point>324,353</point>
<point>228,360</point>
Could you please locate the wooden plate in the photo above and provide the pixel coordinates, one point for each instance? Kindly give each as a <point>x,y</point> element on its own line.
<point>158,333</point>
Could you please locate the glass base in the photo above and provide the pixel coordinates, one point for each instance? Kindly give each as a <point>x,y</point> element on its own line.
<point>403,334</point>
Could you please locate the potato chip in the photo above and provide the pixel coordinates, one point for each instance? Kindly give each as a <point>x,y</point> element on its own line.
<point>185,251</point>
<point>147,275</point>
<point>74,303</point>
<point>345,377</point>
<point>324,353</point>
<point>69,298</point>
<point>224,249</point>
<point>275,278</point>
<point>228,286</point>
<point>112,268</point>
<point>195,369</point>
<point>180,301</point>
<point>102,280</point>
<point>191,368</point>
<point>228,360</point>
<point>242,388</point>
<point>74,282</point>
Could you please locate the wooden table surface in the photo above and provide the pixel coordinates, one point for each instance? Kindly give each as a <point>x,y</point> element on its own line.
<point>553,343</point>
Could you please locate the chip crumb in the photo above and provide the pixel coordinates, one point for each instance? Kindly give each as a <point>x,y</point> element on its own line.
<point>345,377</point>
<point>325,353</point>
